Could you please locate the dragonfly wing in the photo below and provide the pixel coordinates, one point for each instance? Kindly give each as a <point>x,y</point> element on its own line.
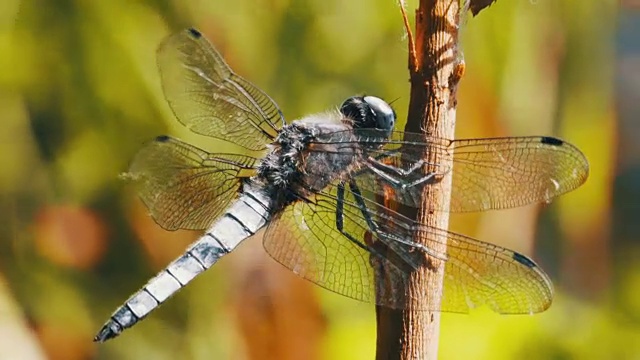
<point>493,173</point>
<point>479,273</point>
<point>305,239</point>
<point>209,98</point>
<point>185,187</point>
<point>510,172</point>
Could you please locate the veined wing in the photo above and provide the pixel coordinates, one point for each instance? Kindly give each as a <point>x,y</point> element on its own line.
<point>209,98</point>
<point>305,238</point>
<point>491,173</point>
<point>185,187</point>
<point>514,171</point>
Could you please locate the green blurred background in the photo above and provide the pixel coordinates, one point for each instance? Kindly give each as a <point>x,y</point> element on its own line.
<point>80,93</point>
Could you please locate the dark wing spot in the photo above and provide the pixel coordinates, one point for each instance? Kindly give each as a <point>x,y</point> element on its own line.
<point>162,138</point>
<point>551,141</point>
<point>195,33</point>
<point>524,260</point>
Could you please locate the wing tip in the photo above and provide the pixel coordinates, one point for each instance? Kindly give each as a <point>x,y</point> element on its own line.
<point>549,140</point>
<point>163,138</point>
<point>524,260</point>
<point>194,33</point>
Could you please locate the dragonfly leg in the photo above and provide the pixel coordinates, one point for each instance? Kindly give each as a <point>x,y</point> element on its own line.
<point>422,180</point>
<point>340,222</point>
<point>378,249</point>
<point>400,183</point>
<point>395,169</point>
<point>386,235</point>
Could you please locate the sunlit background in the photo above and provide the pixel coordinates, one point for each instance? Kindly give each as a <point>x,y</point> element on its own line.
<point>80,93</point>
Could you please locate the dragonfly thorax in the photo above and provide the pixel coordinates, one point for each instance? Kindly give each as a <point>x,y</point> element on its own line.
<point>281,166</point>
<point>307,156</point>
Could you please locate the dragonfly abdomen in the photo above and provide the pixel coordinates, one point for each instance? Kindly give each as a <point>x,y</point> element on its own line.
<point>243,219</point>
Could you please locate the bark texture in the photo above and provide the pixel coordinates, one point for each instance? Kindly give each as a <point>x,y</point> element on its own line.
<point>435,67</point>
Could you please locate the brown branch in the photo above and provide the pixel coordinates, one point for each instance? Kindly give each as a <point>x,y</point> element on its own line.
<point>411,333</point>
<point>413,63</point>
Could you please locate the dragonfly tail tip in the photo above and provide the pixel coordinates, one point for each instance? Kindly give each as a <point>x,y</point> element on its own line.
<point>108,331</point>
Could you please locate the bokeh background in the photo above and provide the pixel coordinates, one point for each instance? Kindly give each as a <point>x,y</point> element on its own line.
<point>80,93</point>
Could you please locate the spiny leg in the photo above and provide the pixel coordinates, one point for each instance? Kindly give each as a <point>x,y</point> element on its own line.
<point>398,182</point>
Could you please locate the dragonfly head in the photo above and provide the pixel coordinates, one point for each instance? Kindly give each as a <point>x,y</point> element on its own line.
<point>369,112</point>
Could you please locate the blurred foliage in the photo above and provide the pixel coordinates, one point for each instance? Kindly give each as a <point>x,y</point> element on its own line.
<point>80,93</point>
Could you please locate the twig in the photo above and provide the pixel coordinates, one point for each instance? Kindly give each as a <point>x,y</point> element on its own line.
<point>412,45</point>
<point>434,73</point>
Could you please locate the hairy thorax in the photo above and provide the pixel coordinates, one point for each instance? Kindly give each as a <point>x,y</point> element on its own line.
<point>307,156</point>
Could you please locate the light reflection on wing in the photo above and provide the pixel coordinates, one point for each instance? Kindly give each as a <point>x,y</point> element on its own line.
<point>209,98</point>
<point>185,187</point>
<point>304,238</point>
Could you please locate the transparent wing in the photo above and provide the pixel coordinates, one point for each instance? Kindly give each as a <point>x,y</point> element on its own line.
<point>305,238</point>
<point>493,173</point>
<point>208,98</point>
<point>510,172</point>
<point>185,187</point>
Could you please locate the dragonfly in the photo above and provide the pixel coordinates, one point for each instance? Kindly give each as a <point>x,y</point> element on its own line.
<point>315,187</point>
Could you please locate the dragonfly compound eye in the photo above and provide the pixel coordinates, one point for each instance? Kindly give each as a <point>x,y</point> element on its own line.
<point>385,116</point>
<point>369,112</point>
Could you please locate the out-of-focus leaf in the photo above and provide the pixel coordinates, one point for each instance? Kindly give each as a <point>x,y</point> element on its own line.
<point>61,314</point>
<point>161,245</point>
<point>63,342</point>
<point>278,315</point>
<point>16,341</point>
<point>70,236</point>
